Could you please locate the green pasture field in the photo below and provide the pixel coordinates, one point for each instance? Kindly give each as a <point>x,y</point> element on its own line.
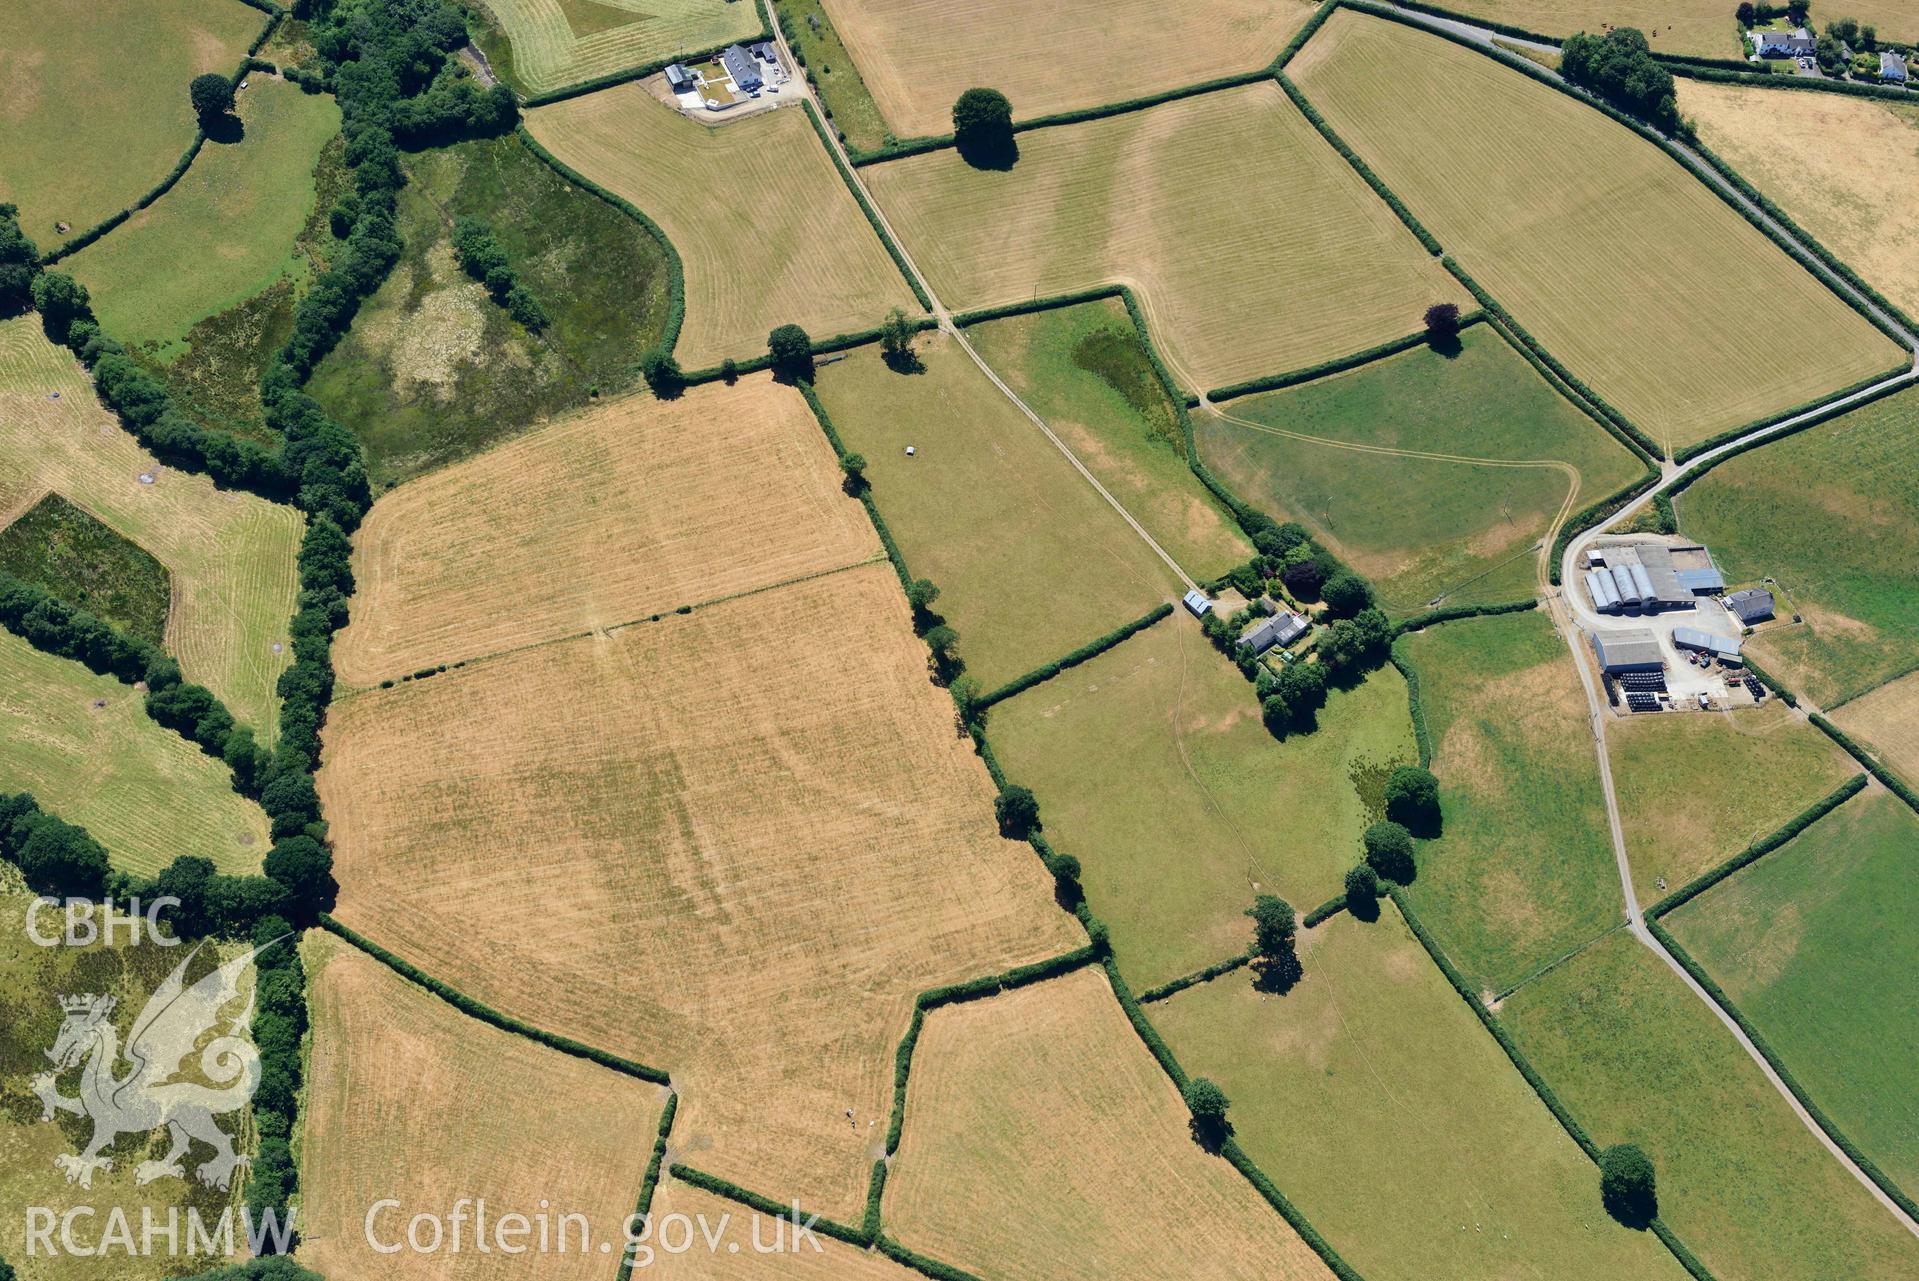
<point>836,77</point>
<point>1694,790</point>
<point>92,116</point>
<point>225,232</point>
<point>1031,562</point>
<point>32,981</point>
<point>1665,301</point>
<point>1524,871</point>
<point>1833,513</point>
<point>543,45</point>
<point>213,374</point>
<point>86,749</point>
<point>64,551</point>
<point>1427,531</point>
<point>1086,372</point>
<point>1637,1058</point>
<point>1396,1125</point>
<point>1152,767</point>
<point>433,370</point>
<point>1814,943</point>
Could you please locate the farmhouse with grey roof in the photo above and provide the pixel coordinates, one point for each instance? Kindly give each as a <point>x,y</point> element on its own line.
<point>739,64</point>
<point>1797,43</point>
<point>1282,628</point>
<point>1892,66</point>
<point>1754,605</point>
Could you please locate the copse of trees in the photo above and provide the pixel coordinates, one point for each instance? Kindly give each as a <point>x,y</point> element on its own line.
<point>1290,701</point>
<point>482,256</point>
<point>54,856</point>
<point>1619,67</point>
<point>1346,593</point>
<point>1357,644</point>
<point>19,263</point>
<point>662,373</point>
<point>211,96</point>
<point>61,301</point>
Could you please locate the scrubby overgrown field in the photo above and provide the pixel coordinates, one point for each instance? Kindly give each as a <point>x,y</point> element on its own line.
<point>1523,873</point>
<point>411,1100</point>
<point>1370,1084</point>
<point>768,232</point>
<point>1155,772</point>
<point>65,552</point>
<point>1833,514</point>
<point>628,509</point>
<point>1254,248</point>
<point>434,370</point>
<point>1695,790</point>
<point>549,44</point>
<point>1637,1058</point>
<point>1621,262</point>
<point>85,748</point>
<point>1042,1141</point>
<point>1030,561</point>
<point>1085,370</point>
<point>95,108</point>
<point>228,553</point>
<point>1814,944</point>
<point>918,56</point>
<point>757,833</point>
<point>1436,474</point>
<point>232,217</point>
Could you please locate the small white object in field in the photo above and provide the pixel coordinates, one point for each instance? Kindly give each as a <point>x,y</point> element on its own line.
<point>146,478</point>
<point>911,451</point>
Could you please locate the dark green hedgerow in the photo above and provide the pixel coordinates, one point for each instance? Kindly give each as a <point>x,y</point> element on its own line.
<point>1766,80</point>
<point>820,347</point>
<point>866,207</point>
<point>1324,912</point>
<point>1274,382</point>
<point>893,553</point>
<point>486,1013</point>
<point>767,1205</point>
<point>1304,34</point>
<point>1360,167</point>
<point>1503,28</point>
<point>1452,613</point>
<point>1207,975</point>
<point>1680,63</point>
<point>651,1183</point>
<point>1759,848</point>
<point>1821,410</point>
<point>1894,784</point>
<point>1650,457</point>
<point>1586,517</point>
<point>1872,1171</point>
<point>920,1263</point>
<point>1091,650</point>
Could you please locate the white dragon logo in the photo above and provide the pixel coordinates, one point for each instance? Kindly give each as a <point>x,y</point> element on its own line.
<point>146,1098</point>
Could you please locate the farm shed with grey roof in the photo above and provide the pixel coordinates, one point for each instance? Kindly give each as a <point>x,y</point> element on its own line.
<point>1726,647</point>
<point>1633,649</point>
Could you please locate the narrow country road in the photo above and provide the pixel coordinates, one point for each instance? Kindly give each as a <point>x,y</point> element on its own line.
<point>945,318</point>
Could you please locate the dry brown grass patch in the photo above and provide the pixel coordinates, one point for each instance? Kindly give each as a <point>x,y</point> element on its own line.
<point>630,509</point>
<point>411,1100</point>
<point>1042,1141</point>
<point>734,844</point>
<point>793,1261</point>
<point>1887,721</point>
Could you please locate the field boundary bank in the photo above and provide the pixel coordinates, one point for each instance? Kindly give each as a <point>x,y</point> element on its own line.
<point>428,673</point>
<point>1880,1179</point>
<point>1219,969</point>
<point>487,1014</point>
<point>1085,653</point>
<point>1893,782</point>
<point>1399,207</point>
<point>1727,191</point>
<point>73,245</point>
<point>1487,1019</point>
<point>907,147</point>
<point>1760,848</point>
<point>1337,365</point>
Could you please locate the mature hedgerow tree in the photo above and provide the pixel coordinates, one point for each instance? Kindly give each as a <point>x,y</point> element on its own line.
<point>792,353</point>
<point>983,129</point>
<point>1017,810</point>
<point>211,95</point>
<point>1389,851</point>
<point>19,263</point>
<point>1412,800</point>
<point>1208,1103</point>
<point>1628,1186</point>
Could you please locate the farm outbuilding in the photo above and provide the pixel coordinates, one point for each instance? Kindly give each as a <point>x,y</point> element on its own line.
<point>678,78</point>
<point>1633,649</point>
<point>1725,648</point>
<point>1197,605</point>
<point>1648,577</point>
<point>1753,605</point>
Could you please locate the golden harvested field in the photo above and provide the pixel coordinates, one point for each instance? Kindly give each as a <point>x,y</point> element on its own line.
<point>1042,1141</point>
<point>1621,262</point>
<point>1858,200</point>
<point>766,228</point>
<point>918,56</point>
<point>93,100</point>
<point>756,831</point>
<point>1887,721</point>
<point>1694,790</point>
<point>632,508</point>
<point>1254,248</point>
<point>792,1261</point>
<point>1702,27</point>
<point>230,555</point>
<point>1030,561</point>
<point>87,750</point>
<point>411,1100</point>
<point>564,42</point>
